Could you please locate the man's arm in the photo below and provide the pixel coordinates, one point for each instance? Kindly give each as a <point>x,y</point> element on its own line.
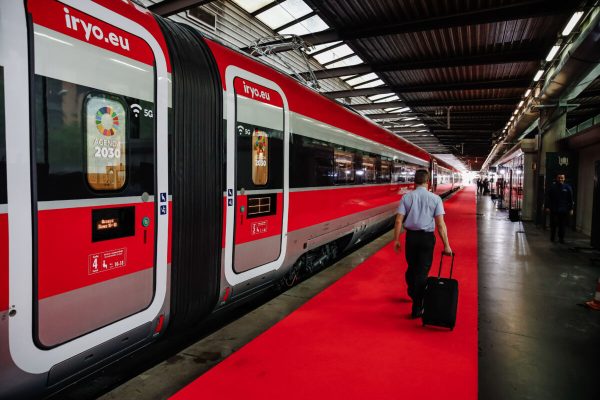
<point>398,230</point>
<point>443,232</point>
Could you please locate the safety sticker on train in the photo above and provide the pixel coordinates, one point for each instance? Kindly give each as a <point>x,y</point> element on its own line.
<point>259,227</point>
<point>107,261</point>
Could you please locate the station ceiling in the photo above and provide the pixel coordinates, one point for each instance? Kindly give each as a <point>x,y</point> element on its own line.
<point>446,75</point>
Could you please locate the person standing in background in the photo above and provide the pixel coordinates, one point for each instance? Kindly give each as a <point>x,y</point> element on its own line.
<point>559,204</point>
<point>419,213</point>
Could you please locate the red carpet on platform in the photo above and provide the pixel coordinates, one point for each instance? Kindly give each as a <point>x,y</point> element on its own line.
<point>355,340</point>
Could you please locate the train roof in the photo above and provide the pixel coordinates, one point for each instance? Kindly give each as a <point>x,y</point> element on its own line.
<point>310,103</point>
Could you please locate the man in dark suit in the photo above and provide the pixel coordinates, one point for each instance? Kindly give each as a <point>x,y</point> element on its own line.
<point>559,204</point>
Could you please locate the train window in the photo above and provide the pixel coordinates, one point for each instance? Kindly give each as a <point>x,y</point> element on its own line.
<point>311,162</point>
<point>344,166</point>
<point>368,169</point>
<point>260,157</point>
<point>105,130</point>
<point>259,136</point>
<point>261,205</point>
<point>384,173</point>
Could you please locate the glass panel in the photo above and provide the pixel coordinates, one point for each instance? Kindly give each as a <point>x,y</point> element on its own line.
<point>368,169</point>
<point>260,157</point>
<point>378,82</point>
<point>252,5</point>
<point>380,96</point>
<point>385,171</point>
<point>346,63</point>
<point>333,54</point>
<point>362,78</point>
<point>344,166</point>
<point>283,13</point>
<point>314,49</point>
<point>106,125</point>
<point>393,98</point>
<point>310,25</point>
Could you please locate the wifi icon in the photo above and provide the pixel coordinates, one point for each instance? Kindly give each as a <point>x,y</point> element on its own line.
<point>136,108</point>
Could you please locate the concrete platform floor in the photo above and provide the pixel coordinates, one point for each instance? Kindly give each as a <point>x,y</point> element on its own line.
<point>535,341</point>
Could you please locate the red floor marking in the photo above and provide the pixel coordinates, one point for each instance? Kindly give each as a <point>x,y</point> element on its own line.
<point>355,339</point>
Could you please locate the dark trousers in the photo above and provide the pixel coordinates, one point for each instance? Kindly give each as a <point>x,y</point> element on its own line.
<point>419,256</point>
<point>558,220</point>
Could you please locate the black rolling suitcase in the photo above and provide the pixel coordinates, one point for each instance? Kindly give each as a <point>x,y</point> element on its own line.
<point>441,299</point>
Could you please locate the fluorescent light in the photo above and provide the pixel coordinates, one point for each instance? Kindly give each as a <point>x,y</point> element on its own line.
<point>552,53</point>
<point>512,117</point>
<point>409,119</point>
<point>528,92</point>
<point>538,75</point>
<point>521,103</point>
<point>572,22</point>
<point>516,111</point>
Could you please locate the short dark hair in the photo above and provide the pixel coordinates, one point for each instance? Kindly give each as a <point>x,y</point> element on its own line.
<point>421,176</point>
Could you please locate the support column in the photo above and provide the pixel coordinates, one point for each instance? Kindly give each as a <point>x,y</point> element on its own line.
<point>529,148</point>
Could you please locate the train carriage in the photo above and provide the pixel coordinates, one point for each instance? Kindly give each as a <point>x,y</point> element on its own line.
<point>150,176</point>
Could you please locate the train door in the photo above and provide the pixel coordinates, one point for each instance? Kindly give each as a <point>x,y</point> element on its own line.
<point>595,239</point>
<point>257,178</point>
<point>87,227</point>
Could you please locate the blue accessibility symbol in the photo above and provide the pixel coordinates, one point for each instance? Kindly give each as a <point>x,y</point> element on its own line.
<point>163,210</point>
<point>230,202</point>
<point>163,197</point>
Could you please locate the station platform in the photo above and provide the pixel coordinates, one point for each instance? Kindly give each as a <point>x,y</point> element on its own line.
<point>346,333</point>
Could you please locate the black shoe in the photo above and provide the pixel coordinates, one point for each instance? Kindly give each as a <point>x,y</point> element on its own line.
<point>416,313</point>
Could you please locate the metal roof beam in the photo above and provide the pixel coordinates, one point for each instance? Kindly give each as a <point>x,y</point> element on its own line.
<point>167,8</point>
<point>529,54</point>
<point>510,12</point>
<point>439,87</point>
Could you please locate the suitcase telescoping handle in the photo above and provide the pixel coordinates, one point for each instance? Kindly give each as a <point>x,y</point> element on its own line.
<point>451,265</point>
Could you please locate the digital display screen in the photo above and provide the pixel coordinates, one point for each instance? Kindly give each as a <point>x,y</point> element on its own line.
<point>113,223</point>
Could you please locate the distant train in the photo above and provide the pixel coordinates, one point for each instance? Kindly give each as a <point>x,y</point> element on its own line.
<point>150,176</point>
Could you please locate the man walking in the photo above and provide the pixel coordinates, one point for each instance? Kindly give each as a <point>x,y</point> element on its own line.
<point>559,204</point>
<point>419,213</point>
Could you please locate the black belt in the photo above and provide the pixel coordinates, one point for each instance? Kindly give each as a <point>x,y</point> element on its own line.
<point>418,231</point>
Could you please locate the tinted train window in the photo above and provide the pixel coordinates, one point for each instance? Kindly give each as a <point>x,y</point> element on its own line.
<point>344,166</point>
<point>76,128</point>
<point>311,162</point>
<point>384,172</point>
<point>3,195</point>
<point>368,169</point>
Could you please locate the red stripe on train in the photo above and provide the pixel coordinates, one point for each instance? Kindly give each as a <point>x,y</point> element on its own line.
<point>60,18</point>
<point>317,206</point>
<point>66,251</point>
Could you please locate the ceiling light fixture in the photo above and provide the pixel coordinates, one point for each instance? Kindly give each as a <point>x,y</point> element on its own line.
<point>528,92</point>
<point>538,75</point>
<point>552,52</point>
<point>572,22</point>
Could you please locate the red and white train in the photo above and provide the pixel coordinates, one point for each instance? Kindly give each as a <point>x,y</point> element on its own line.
<point>149,175</point>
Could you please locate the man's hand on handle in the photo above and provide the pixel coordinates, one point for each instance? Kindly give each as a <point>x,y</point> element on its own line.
<point>397,246</point>
<point>447,251</point>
